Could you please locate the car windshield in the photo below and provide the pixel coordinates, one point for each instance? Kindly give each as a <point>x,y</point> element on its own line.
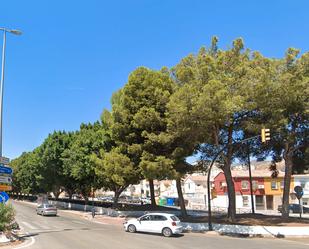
<point>49,206</point>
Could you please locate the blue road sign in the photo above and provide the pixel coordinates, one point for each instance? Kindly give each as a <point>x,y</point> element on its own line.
<point>4,197</point>
<point>5,170</point>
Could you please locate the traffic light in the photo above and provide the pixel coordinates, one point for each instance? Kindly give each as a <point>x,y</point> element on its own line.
<point>265,135</point>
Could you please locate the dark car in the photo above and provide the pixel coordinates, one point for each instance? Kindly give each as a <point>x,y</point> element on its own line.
<point>294,208</point>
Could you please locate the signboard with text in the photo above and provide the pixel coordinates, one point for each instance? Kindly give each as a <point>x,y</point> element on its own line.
<point>4,160</point>
<point>5,179</point>
<point>5,187</point>
<point>5,170</point>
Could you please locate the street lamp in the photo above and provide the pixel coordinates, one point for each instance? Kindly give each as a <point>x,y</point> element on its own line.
<point>15,32</point>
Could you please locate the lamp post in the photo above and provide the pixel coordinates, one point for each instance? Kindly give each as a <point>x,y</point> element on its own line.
<point>15,32</point>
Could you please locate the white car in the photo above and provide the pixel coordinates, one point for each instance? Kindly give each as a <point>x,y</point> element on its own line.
<point>166,224</point>
<point>46,209</point>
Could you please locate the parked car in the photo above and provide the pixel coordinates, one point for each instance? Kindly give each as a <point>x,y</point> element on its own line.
<point>165,224</point>
<point>294,208</point>
<point>46,209</point>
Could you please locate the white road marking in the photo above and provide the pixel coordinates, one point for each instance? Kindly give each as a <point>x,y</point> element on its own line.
<point>28,244</point>
<point>78,222</point>
<point>28,225</point>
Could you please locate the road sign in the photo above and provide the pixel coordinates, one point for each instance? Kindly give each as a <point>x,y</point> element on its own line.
<point>5,187</point>
<point>5,179</point>
<point>298,192</point>
<point>5,170</point>
<point>4,160</point>
<point>4,197</point>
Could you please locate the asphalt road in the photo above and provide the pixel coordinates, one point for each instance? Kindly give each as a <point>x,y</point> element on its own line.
<point>70,231</point>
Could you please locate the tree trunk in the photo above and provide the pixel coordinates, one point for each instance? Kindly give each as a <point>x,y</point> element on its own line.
<point>70,193</point>
<point>231,192</point>
<point>56,194</point>
<point>116,197</point>
<point>228,176</point>
<point>287,183</point>
<point>152,193</point>
<point>180,197</point>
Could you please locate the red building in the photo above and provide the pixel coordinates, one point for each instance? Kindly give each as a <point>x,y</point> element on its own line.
<point>242,188</point>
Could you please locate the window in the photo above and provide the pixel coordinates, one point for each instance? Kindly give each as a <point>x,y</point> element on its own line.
<point>222,184</point>
<point>158,218</point>
<point>146,218</point>
<point>274,185</point>
<point>255,185</point>
<point>175,218</point>
<point>244,185</point>
<point>303,184</point>
<point>245,201</point>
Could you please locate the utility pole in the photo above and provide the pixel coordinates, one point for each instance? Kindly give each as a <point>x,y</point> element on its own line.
<point>15,32</point>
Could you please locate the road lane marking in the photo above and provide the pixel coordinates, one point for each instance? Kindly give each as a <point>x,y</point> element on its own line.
<point>28,244</point>
<point>78,222</point>
<point>28,225</point>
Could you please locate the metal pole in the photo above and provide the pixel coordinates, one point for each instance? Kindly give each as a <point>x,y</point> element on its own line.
<point>1,87</point>
<point>250,177</point>
<point>300,207</point>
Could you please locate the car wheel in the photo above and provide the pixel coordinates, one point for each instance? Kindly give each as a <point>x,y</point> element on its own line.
<point>131,229</point>
<point>167,232</point>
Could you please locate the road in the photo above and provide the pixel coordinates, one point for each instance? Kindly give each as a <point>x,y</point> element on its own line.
<point>70,231</point>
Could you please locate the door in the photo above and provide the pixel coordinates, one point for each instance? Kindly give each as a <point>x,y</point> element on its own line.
<point>144,224</point>
<point>158,223</point>
<point>259,202</point>
<point>269,202</point>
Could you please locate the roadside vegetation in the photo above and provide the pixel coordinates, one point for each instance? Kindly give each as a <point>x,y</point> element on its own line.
<point>7,217</point>
<point>209,101</point>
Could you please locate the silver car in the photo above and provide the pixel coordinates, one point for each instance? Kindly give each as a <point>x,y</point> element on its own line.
<point>46,209</point>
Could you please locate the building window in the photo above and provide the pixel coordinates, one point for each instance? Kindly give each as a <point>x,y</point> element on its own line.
<point>274,185</point>
<point>222,184</point>
<point>245,201</point>
<point>244,185</point>
<point>255,185</point>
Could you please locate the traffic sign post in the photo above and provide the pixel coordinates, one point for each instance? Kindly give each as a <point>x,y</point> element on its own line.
<point>5,187</point>
<point>4,160</point>
<point>4,197</point>
<point>299,192</point>
<point>5,179</point>
<point>5,170</point>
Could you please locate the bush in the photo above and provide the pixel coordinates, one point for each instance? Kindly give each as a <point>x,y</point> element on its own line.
<point>7,215</point>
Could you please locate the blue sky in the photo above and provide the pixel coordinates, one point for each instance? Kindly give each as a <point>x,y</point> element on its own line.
<point>74,54</point>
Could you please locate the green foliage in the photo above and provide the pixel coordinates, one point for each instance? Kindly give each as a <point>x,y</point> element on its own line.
<point>77,161</point>
<point>28,174</point>
<point>7,216</point>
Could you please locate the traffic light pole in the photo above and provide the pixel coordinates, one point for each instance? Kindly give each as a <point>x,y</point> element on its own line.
<point>210,228</point>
